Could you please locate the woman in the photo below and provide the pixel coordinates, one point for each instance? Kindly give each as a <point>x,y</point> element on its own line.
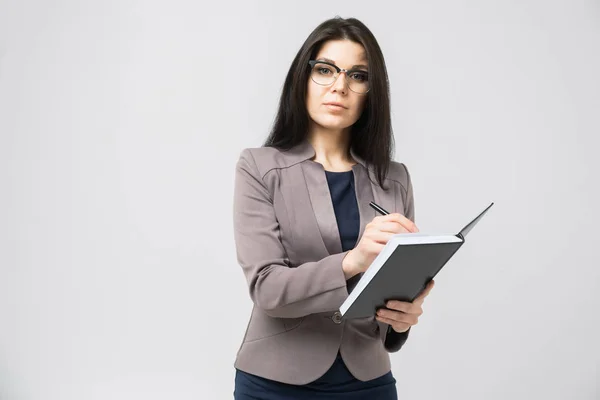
<point>305,233</point>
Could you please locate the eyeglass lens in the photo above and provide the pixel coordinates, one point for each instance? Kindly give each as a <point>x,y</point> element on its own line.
<point>325,74</point>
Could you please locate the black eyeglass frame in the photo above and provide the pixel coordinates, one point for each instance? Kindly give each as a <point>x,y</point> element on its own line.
<point>312,64</point>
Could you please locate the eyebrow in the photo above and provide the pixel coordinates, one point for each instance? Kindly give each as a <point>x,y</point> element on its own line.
<point>353,67</point>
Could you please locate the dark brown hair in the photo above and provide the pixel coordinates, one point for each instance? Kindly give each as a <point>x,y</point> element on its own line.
<point>371,136</point>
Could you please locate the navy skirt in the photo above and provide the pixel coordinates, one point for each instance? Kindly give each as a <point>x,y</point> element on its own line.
<point>336,383</point>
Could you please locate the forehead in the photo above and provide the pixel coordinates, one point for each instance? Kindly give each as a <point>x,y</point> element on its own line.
<point>344,53</point>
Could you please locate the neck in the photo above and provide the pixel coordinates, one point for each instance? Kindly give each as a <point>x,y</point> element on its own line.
<point>332,148</point>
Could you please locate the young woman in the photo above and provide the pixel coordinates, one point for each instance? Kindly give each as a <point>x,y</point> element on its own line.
<point>305,233</point>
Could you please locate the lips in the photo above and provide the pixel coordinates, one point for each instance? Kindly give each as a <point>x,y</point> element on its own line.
<point>340,105</point>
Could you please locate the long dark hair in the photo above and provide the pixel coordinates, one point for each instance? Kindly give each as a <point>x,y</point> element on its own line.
<point>371,136</point>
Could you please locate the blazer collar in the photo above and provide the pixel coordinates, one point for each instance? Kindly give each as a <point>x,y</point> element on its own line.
<point>320,198</point>
<point>304,151</point>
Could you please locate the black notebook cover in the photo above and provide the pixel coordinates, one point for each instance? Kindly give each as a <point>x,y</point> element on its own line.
<point>404,274</point>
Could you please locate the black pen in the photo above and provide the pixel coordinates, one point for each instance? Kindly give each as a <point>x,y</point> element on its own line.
<point>378,209</point>
<point>383,212</point>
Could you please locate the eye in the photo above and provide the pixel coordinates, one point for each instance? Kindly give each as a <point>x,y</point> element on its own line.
<point>359,76</point>
<point>323,69</point>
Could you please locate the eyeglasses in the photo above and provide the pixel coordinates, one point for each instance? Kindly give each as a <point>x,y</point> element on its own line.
<point>324,73</point>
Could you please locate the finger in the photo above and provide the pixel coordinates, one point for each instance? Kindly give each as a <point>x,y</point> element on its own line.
<point>425,292</point>
<point>397,324</point>
<point>402,220</point>
<point>398,327</point>
<point>398,316</point>
<point>380,237</point>
<point>374,248</point>
<point>385,320</point>
<point>391,226</point>
<point>398,305</point>
<point>404,307</point>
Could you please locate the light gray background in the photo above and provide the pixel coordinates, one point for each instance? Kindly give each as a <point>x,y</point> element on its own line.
<point>120,125</point>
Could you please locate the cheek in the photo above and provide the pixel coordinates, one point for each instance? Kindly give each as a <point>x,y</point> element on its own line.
<point>362,103</point>
<point>313,99</point>
<point>358,108</point>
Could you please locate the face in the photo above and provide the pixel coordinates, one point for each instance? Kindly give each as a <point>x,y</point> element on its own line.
<point>345,54</point>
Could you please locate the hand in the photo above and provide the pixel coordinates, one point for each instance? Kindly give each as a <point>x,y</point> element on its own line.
<point>402,315</point>
<point>376,235</point>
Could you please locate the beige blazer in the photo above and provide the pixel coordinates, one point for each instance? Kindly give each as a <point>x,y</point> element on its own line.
<point>289,248</point>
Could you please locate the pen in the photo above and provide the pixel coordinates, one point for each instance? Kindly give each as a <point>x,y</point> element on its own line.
<point>383,212</point>
<point>378,209</point>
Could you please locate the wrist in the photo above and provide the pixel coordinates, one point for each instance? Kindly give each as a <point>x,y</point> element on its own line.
<point>349,266</point>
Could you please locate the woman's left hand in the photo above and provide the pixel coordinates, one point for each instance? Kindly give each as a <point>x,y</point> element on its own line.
<point>401,315</point>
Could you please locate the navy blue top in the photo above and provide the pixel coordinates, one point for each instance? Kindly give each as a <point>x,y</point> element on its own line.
<point>337,382</point>
<point>343,196</point>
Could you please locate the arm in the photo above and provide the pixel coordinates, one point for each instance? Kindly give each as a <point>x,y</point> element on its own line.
<point>392,340</point>
<point>274,286</point>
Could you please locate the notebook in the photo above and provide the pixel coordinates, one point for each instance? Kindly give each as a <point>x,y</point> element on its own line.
<point>402,269</point>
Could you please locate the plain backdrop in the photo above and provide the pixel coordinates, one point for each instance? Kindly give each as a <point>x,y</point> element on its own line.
<point>120,125</point>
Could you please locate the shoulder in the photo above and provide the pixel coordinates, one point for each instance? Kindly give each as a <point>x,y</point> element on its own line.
<point>265,159</point>
<point>398,173</point>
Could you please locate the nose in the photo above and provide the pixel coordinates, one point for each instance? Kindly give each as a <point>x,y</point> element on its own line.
<point>340,83</point>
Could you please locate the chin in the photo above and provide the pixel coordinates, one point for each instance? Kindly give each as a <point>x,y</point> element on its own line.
<point>333,123</point>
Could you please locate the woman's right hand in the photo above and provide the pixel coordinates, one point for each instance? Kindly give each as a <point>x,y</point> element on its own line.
<point>376,235</point>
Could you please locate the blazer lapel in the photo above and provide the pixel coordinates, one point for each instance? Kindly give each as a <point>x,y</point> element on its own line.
<point>320,198</point>
<point>364,195</point>
<point>385,198</point>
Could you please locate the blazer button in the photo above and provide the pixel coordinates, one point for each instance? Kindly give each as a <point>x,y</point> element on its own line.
<point>337,317</point>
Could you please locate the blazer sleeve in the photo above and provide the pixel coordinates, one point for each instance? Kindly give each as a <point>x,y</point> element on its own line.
<point>392,340</point>
<point>276,287</point>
